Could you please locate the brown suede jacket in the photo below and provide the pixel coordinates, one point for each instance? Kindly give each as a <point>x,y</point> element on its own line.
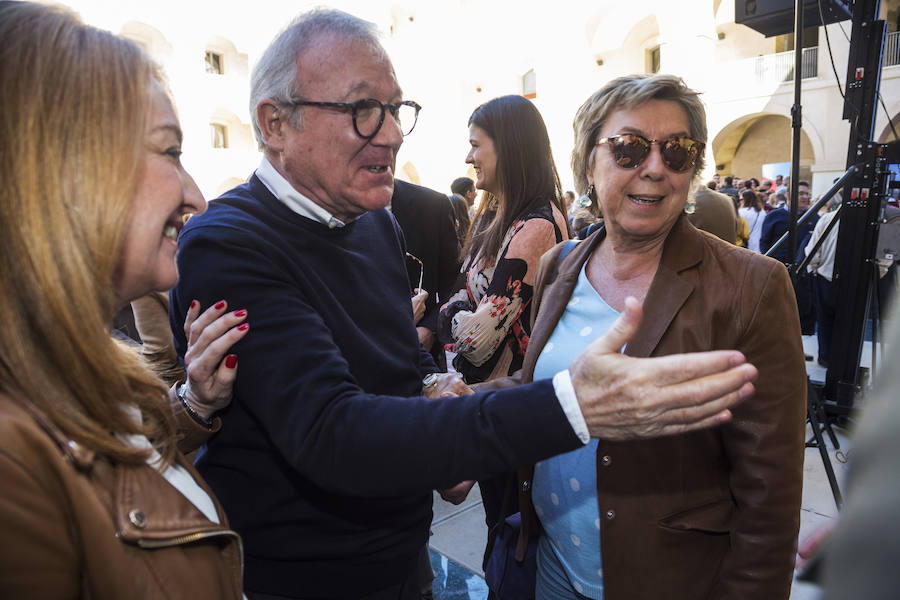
<point>712,514</point>
<point>77,525</point>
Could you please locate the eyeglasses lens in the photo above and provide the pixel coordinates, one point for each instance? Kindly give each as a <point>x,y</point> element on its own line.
<point>679,154</point>
<point>406,116</point>
<point>630,151</point>
<point>370,116</point>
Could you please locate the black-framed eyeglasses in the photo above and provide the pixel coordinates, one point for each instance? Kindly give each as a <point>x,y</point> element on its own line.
<point>368,114</point>
<point>421,269</point>
<point>630,150</point>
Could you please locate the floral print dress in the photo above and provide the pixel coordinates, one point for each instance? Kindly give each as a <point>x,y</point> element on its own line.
<point>489,320</point>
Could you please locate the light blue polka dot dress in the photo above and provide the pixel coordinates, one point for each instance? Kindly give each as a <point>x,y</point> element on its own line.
<point>565,486</point>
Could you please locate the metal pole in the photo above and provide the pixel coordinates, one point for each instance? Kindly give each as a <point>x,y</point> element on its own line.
<point>796,124</point>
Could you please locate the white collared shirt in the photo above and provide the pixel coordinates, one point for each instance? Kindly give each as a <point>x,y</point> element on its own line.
<point>297,202</point>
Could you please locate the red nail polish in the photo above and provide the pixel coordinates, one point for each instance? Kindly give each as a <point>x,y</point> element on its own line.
<point>193,304</point>
<point>240,313</point>
<point>219,305</point>
<point>231,361</point>
<point>243,326</point>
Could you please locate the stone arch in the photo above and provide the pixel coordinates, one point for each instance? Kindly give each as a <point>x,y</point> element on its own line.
<point>886,135</point>
<point>611,27</point>
<point>746,143</point>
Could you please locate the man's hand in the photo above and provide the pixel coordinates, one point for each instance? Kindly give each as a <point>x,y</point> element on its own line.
<point>418,304</point>
<point>625,398</point>
<point>448,384</point>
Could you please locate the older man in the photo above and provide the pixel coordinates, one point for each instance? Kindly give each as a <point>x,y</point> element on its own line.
<point>334,439</point>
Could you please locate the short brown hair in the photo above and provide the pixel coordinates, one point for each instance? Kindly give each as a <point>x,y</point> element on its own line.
<point>629,92</point>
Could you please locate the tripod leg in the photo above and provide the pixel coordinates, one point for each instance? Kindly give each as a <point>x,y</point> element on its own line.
<point>813,408</point>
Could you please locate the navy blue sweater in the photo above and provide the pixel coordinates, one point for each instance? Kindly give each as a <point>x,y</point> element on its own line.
<point>326,459</point>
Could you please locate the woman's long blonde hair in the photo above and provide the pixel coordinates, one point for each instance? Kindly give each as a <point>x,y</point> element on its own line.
<point>74,104</point>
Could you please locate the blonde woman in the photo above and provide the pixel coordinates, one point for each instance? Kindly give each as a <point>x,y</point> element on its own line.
<point>97,500</point>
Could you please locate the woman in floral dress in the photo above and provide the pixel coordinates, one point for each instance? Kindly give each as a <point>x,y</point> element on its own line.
<point>520,217</point>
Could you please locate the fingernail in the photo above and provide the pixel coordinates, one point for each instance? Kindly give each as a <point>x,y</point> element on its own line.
<point>219,305</point>
<point>243,326</point>
<point>240,313</point>
<point>193,304</point>
<point>231,361</point>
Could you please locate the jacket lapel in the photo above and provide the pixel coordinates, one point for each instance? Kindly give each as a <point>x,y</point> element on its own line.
<point>670,289</point>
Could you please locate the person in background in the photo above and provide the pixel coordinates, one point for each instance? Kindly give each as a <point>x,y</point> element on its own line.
<point>714,212</point>
<point>712,514</point>
<point>426,219</point>
<point>98,500</point>
<point>821,270</point>
<point>463,199</point>
<point>729,189</point>
<point>569,199</point>
<point>752,212</point>
<point>487,322</point>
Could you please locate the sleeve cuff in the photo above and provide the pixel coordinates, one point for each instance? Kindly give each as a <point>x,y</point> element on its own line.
<point>565,393</point>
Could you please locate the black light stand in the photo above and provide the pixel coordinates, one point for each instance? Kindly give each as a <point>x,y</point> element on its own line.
<point>865,189</point>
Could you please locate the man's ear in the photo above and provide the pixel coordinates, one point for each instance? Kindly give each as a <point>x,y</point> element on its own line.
<point>271,118</point>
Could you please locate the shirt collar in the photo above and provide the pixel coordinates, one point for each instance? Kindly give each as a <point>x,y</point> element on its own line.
<point>287,195</point>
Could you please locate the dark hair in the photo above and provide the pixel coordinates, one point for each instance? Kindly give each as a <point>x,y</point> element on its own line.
<point>526,173</point>
<point>749,199</point>
<point>729,180</point>
<point>712,185</point>
<point>461,185</point>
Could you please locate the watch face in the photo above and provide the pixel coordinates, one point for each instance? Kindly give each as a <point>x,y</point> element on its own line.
<point>429,380</point>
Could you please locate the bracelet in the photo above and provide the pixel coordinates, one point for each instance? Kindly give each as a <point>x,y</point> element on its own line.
<point>181,392</point>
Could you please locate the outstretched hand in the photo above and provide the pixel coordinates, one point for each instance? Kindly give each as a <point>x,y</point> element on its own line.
<point>210,373</point>
<point>624,398</point>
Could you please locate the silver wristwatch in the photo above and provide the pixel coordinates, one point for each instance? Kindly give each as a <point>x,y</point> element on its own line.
<point>429,380</point>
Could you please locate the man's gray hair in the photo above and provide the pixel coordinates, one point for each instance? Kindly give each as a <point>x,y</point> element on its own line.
<point>274,76</point>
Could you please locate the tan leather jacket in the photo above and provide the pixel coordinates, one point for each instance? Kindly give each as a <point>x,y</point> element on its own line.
<point>715,513</point>
<point>76,525</point>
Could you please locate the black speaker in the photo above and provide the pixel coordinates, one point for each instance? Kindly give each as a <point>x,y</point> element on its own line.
<point>776,17</point>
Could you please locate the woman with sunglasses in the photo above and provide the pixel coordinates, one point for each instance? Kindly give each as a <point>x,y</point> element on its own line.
<point>97,500</point>
<point>711,514</point>
<point>520,217</point>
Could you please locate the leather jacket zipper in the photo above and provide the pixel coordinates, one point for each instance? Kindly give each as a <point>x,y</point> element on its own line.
<point>195,537</point>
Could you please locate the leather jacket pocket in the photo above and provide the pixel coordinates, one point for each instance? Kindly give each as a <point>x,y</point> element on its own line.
<point>713,517</point>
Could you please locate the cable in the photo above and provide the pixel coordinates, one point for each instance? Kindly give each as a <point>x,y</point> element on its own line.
<point>838,79</point>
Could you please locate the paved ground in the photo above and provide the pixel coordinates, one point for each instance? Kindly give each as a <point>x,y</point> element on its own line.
<point>459,532</point>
